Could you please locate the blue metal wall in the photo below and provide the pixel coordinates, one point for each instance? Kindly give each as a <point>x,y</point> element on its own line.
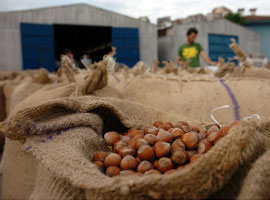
<point>126,40</point>
<point>37,46</point>
<point>264,30</point>
<point>218,46</point>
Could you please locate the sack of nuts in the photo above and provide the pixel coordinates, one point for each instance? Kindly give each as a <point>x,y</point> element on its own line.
<point>145,153</point>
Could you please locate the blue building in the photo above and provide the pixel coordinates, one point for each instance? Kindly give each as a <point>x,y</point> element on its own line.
<point>261,25</point>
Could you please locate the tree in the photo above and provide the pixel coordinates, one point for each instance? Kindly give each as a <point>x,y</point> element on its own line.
<point>235,17</point>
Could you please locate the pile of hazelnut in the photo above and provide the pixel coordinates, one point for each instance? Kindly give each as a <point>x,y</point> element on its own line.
<point>160,149</point>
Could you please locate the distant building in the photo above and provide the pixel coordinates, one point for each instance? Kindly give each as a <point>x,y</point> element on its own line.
<point>195,18</point>
<point>221,11</point>
<point>145,19</point>
<point>261,25</point>
<point>30,39</point>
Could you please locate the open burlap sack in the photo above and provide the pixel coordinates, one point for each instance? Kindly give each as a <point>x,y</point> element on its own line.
<point>252,72</point>
<point>8,75</point>
<point>196,98</point>
<point>257,182</point>
<point>63,134</point>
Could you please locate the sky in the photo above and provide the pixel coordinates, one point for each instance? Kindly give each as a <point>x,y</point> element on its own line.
<point>151,8</point>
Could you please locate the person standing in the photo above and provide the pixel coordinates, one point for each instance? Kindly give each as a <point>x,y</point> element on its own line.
<point>192,51</point>
<point>110,59</point>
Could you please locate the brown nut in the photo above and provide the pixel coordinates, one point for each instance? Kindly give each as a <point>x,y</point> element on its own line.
<point>166,126</point>
<point>164,164</point>
<point>128,162</point>
<point>212,129</point>
<point>179,124</point>
<point>164,136</point>
<point>138,136</point>
<point>127,172</point>
<point>151,130</point>
<point>133,132</point>
<point>210,125</point>
<point>144,166</point>
<point>125,139</point>
<point>187,129</point>
<point>195,128</point>
<point>191,153</point>
<point>151,139</point>
<point>140,142</point>
<point>179,156</point>
<point>113,171</point>
<point>132,143</point>
<point>194,158</point>
<point>224,130</point>
<point>111,138</point>
<point>99,164</point>
<point>155,163</point>
<point>146,152</point>
<point>112,159</point>
<point>178,144</point>
<point>204,146</point>
<point>190,140</point>
<point>152,172</point>
<point>162,149</point>
<point>171,171</point>
<point>214,137</point>
<point>100,156</point>
<point>157,124</point>
<point>119,145</point>
<point>127,151</point>
<point>177,133</point>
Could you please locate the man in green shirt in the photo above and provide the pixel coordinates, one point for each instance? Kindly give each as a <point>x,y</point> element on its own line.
<point>192,51</point>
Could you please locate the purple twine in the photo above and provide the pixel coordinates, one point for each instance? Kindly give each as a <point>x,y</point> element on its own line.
<point>116,78</point>
<point>234,101</point>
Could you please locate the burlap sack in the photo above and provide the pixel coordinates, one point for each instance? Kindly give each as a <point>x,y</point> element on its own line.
<point>256,184</point>
<point>63,134</point>
<point>196,98</point>
<point>252,72</point>
<point>8,75</point>
<point>2,102</point>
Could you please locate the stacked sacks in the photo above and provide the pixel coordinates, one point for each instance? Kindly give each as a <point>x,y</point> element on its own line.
<point>196,98</point>
<point>64,142</point>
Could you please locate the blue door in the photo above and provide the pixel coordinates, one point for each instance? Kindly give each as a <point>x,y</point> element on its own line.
<point>126,40</point>
<point>218,46</point>
<point>37,46</point>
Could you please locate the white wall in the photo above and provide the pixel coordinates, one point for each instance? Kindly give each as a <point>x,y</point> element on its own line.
<point>80,14</point>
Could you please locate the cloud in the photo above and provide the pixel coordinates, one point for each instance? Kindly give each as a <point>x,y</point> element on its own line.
<point>151,8</point>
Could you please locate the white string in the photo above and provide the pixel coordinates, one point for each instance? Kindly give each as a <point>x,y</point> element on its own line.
<point>219,108</point>
<point>253,117</point>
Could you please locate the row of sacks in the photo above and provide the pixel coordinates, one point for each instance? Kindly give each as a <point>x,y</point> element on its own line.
<point>53,129</point>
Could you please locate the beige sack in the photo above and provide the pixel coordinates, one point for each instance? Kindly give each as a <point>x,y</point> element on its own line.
<point>63,143</point>
<point>195,99</point>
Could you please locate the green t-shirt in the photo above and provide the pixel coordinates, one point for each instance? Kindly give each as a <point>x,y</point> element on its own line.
<point>191,52</point>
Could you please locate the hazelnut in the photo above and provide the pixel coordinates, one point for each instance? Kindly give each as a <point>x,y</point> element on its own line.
<point>127,172</point>
<point>113,171</point>
<point>140,142</point>
<point>178,144</point>
<point>179,124</point>
<point>127,151</point>
<point>119,145</point>
<point>125,139</point>
<point>111,138</point>
<point>162,149</point>
<point>100,156</point>
<point>212,129</point>
<point>132,143</point>
<point>166,126</point>
<point>214,137</point>
<point>146,152</point>
<point>196,129</point>
<point>210,125</point>
<point>204,146</point>
<point>170,130</point>
<point>164,136</point>
<point>177,133</point>
<point>133,132</point>
<point>112,159</point>
<point>151,130</point>
<point>155,163</point>
<point>194,158</point>
<point>179,156</point>
<point>128,162</point>
<point>144,166</point>
<point>224,130</point>
<point>151,139</point>
<point>138,160</point>
<point>157,124</point>
<point>99,164</point>
<point>186,129</point>
<point>152,172</point>
<point>138,136</point>
<point>190,140</point>
<point>164,164</point>
<point>171,171</point>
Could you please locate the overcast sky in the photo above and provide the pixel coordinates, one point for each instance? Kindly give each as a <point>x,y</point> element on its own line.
<point>151,8</point>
